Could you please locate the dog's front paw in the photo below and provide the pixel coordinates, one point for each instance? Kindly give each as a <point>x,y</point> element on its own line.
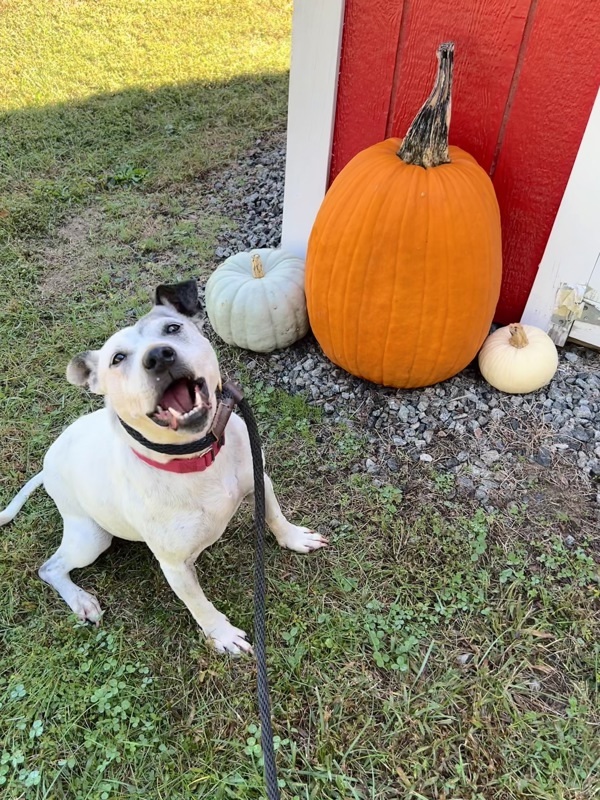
<point>227,639</point>
<point>303,540</point>
<point>87,607</point>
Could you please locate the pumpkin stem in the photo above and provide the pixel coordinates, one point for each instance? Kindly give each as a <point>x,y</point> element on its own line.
<point>518,337</point>
<point>257,267</point>
<point>426,141</point>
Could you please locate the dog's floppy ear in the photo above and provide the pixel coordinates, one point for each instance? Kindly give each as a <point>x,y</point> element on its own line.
<point>82,370</point>
<point>183,297</point>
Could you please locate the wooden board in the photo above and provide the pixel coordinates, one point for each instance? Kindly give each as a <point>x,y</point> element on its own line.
<point>566,291</point>
<point>369,45</point>
<point>316,41</point>
<point>556,88</point>
<point>488,35</point>
<point>572,249</point>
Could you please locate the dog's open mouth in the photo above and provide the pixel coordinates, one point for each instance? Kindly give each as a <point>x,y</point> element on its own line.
<point>183,404</point>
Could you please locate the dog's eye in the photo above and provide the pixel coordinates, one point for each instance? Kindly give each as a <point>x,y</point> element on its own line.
<point>173,328</point>
<point>117,358</point>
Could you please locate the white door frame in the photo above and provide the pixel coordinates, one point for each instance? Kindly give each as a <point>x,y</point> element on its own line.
<point>316,43</point>
<point>560,298</point>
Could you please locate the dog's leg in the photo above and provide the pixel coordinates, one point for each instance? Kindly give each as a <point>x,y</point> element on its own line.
<point>294,537</point>
<point>218,630</point>
<point>83,541</point>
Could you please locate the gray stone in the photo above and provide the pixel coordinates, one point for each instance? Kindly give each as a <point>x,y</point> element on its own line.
<point>403,413</point>
<point>580,434</point>
<point>543,457</point>
<point>490,457</point>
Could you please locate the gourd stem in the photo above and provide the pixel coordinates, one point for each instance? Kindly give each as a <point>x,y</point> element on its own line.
<point>426,141</point>
<point>257,267</point>
<point>518,337</point>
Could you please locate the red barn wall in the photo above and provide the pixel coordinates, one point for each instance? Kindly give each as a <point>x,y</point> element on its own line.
<point>526,76</point>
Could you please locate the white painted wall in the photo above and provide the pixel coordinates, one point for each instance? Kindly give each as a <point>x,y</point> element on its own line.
<point>316,41</point>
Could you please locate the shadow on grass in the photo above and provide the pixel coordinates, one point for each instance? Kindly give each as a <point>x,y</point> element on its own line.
<point>57,156</point>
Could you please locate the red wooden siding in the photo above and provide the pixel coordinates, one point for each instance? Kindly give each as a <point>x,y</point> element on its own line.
<point>481,87</point>
<point>526,75</point>
<point>552,104</point>
<point>369,46</point>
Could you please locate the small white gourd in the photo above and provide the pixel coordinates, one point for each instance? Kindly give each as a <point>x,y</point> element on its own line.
<point>518,359</point>
<point>256,300</point>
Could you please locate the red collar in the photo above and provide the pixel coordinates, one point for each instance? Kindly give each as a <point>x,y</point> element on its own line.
<point>185,465</point>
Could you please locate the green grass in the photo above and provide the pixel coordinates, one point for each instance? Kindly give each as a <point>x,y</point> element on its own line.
<point>433,651</point>
<point>429,653</point>
<point>72,49</point>
<point>111,93</point>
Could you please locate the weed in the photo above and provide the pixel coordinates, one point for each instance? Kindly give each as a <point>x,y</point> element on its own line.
<point>124,176</point>
<point>69,735</point>
<point>443,481</point>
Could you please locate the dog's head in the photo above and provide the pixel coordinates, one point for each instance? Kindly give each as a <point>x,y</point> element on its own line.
<point>161,374</point>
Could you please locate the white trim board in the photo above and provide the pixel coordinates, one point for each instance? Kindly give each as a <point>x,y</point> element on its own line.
<point>573,248</point>
<point>316,42</point>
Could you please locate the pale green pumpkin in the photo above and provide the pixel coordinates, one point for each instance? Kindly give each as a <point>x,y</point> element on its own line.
<point>255,300</point>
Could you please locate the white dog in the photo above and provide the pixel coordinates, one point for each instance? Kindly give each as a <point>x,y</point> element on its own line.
<point>108,478</point>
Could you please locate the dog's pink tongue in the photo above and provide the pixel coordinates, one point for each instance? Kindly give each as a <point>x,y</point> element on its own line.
<point>178,397</point>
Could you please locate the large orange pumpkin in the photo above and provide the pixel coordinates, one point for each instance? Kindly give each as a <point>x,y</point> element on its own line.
<point>404,259</point>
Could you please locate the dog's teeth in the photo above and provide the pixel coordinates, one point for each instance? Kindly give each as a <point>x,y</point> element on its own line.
<point>160,410</point>
<point>175,419</point>
<point>198,397</point>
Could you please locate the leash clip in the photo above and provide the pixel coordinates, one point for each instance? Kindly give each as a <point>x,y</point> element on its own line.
<point>231,396</point>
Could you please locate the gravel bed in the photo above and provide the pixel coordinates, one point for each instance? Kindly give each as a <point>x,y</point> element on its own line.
<point>460,422</point>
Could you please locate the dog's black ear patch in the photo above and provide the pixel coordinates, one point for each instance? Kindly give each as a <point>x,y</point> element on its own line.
<point>82,370</point>
<point>183,297</point>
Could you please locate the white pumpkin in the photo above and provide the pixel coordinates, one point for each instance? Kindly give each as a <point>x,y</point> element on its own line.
<point>518,359</point>
<point>256,300</point>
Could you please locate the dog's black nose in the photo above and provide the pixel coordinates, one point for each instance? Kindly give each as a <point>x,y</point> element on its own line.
<point>159,359</point>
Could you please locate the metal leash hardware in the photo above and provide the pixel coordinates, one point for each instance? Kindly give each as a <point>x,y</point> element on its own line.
<point>231,395</point>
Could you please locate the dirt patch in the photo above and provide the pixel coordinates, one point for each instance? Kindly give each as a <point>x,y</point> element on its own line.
<point>131,237</point>
<point>69,259</point>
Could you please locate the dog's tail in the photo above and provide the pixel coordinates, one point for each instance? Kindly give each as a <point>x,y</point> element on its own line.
<point>17,503</point>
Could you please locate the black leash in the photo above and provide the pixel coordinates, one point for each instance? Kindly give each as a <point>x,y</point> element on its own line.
<point>232,395</point>
<point>264,702</point>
